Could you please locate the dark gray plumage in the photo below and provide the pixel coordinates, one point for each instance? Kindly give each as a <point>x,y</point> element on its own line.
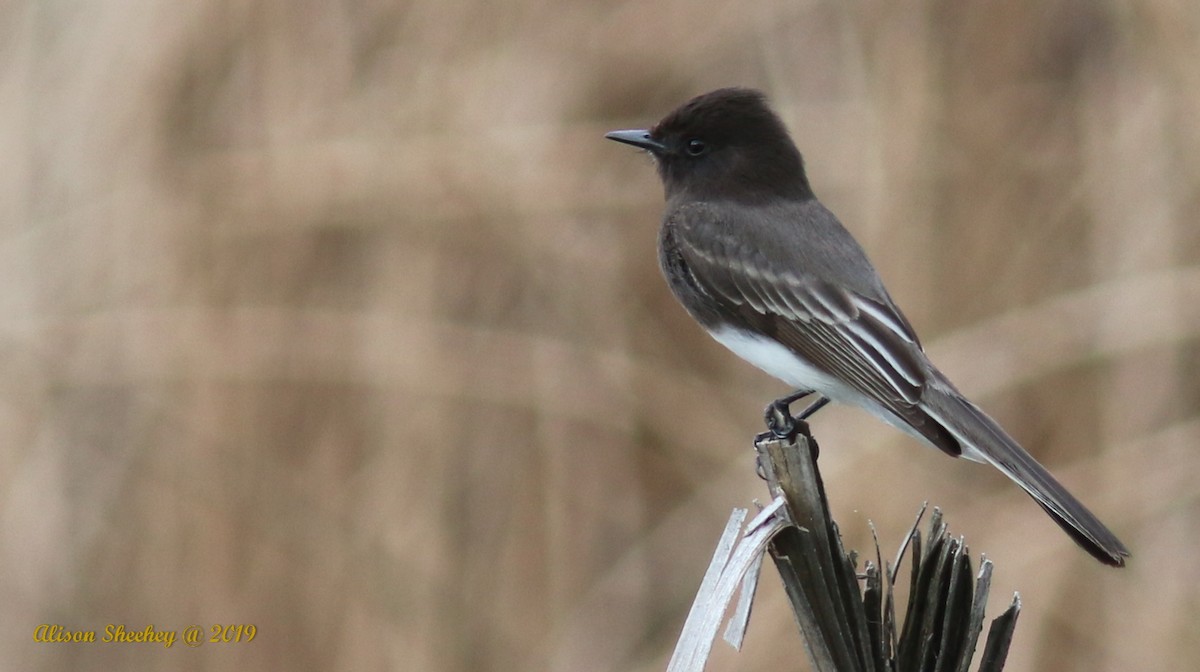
<point>770,272</point>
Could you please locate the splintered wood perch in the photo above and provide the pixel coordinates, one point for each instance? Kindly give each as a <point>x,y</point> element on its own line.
<point>847,617</point>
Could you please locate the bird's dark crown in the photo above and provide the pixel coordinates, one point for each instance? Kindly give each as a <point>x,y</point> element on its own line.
<point>728,143</point>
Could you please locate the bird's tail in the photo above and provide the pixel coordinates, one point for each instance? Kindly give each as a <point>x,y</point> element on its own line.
<point>982,439</point>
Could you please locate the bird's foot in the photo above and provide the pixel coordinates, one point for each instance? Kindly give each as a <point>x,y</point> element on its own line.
<point>781,424</point>
<point>779,420</point>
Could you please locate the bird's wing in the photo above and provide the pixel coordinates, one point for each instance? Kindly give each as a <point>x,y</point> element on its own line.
<point>861,340</point>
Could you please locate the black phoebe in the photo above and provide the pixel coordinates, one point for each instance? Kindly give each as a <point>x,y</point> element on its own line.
<point>772,275</point>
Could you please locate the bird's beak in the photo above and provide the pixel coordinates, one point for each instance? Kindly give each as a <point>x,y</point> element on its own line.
<point>638,138</point>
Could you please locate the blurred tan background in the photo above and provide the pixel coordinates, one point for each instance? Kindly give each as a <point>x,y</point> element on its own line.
<point>341,319</point>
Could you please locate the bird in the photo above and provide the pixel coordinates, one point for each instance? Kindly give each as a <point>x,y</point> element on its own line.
<point>771,274</point>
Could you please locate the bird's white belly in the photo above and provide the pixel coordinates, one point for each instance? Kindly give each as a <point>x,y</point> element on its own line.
<point>783,364</point>
<point>777,360</point>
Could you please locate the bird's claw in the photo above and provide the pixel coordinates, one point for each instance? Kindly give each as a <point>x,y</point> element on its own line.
<point>780,423</point>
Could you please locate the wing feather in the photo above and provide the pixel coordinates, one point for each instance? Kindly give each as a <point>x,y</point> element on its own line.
<point>861,340</point>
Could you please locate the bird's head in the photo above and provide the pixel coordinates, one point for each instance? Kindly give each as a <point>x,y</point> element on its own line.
<point>726,143</point>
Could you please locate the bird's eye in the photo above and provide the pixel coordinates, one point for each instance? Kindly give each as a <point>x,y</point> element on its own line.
<point>696,147</point>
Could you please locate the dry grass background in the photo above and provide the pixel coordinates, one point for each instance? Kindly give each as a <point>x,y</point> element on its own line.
<point>341,319</point>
